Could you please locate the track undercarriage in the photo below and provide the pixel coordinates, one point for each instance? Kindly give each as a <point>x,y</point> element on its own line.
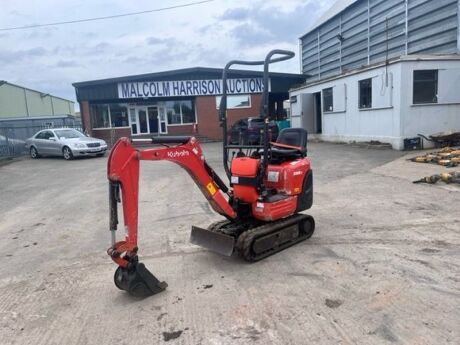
<point>254,241</point>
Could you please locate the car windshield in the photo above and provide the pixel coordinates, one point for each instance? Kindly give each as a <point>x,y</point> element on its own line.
<point>69,133</point>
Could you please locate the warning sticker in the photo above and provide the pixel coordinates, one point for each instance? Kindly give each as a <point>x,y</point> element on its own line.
<point>211,188</point>
<point>273,176</point>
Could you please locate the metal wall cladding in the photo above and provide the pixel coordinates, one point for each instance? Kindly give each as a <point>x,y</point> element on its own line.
<point>371,31</point>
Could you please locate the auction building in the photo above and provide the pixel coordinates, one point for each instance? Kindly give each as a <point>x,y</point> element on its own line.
<point>382,70</point>
<point>177,102</point>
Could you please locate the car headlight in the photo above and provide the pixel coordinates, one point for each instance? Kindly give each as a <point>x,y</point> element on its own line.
<point>79,146</point>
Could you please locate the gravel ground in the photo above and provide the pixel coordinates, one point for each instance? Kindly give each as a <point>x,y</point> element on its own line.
<point>383,266</point>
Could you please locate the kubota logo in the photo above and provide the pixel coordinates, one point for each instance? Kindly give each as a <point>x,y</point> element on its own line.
<point>175,154</point>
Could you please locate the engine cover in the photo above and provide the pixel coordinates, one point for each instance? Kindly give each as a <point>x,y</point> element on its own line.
<point>244,172</point>
<point>287,177</point>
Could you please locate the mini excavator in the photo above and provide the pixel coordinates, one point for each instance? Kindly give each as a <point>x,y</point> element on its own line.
<point>269,185</point>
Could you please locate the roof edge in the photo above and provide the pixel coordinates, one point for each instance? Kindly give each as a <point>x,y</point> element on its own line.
<point>45,94</point>
<point>183,71</point>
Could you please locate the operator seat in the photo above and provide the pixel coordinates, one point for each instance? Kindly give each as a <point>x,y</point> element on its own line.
<point>292,137</point>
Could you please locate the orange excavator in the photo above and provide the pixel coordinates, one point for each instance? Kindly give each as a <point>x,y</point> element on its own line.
<point>270,184</point>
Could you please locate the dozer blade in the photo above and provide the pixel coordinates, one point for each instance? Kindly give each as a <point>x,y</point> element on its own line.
<point>138,281</point>
<point>214,241</point>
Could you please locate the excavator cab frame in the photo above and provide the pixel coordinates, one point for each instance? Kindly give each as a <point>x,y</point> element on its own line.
<point>264,104</point>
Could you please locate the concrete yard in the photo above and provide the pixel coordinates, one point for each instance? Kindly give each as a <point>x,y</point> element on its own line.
<point>383,266</point>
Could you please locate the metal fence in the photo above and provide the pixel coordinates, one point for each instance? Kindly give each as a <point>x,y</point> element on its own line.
<point>13,138</point>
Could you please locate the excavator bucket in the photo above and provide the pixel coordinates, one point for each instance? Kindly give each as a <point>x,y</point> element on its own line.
<point>214,241</point>
<point>138,281</point>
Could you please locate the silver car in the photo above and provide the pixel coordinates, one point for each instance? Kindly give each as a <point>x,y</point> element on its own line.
<point>65,142</point>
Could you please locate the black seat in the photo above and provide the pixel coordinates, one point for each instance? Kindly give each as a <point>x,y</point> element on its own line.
<point>292,137</point>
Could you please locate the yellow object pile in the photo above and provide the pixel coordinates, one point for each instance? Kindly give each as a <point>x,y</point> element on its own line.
<point>448,157</point>
<point>446,177</point>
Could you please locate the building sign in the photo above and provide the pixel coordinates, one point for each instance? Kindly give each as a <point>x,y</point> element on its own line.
<point>188,88</point>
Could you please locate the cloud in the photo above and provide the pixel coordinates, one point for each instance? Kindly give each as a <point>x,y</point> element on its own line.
<point>90,34</point>
<point>66,63</point>
<point>12,56</point>
<point>152,40</point>
<point>101,47</point>
<point>236,14</point>
<point>269,24</point>
<point>35,34</point>
<point>49,59</point>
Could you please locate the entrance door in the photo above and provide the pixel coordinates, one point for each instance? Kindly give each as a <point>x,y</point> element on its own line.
<point>307,102</point>
<point>146,120</point>
<point>153,119</point>
<point>133,120</point>
<point>162,119</point>
<point>142,121</point>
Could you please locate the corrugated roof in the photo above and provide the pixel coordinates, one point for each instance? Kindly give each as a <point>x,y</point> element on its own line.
<point>338,7</point>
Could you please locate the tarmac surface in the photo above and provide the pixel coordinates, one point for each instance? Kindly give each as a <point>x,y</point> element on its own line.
<point>383,266</point>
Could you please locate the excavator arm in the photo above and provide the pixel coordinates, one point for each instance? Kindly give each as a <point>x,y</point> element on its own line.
<point>123,175</point>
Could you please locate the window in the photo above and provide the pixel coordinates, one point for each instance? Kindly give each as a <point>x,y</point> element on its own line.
<point>44,135</point>
<point>100,116</point>
<point>180,112</point>
<point>119,115</point>
<point>235,101</point>
<point>328,102</point>
<point>365,94</point>
<point>69,133</point>
<point>188,112</point>
<point>425,87</point>
<point>103,117</point>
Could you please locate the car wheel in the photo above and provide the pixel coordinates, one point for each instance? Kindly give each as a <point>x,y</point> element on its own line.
<point>100,154</point>
<point>34,153</point>
<point>67,153</point>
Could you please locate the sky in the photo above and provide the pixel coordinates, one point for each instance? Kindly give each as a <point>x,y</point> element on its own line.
<point>50,59</point>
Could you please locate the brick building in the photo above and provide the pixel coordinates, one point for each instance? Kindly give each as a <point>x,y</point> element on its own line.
<point>176,102</point>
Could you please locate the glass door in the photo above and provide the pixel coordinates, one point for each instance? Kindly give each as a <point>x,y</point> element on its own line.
<point>133,120</point>
<point>162,119</point>
<point>146,120</point>
<point>142,120</point>
<point>153,119</point>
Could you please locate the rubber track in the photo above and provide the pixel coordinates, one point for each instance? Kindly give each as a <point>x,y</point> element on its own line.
<point>247,238</point>
<point>217,225</point>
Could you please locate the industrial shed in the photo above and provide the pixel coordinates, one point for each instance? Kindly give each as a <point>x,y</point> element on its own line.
<point>21,102</point>
<point>24,111</point>
<point>381,70</point>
